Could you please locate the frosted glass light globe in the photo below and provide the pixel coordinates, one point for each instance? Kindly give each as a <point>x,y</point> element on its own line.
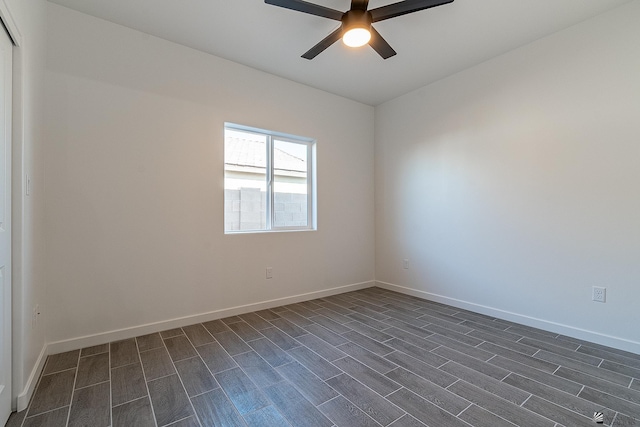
<point>356,37</point>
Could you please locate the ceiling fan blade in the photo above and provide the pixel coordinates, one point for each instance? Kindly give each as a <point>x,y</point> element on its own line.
<point>306,7</point>
<point>359,4</point>
<point>380,45</point>
<point>325,43</point>
<point>404,7</point>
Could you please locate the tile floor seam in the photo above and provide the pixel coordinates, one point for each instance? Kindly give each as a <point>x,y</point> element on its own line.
<point>526,400</point>
<point>146,351</point>
<point>129,401</point>
<point>188,358</point>
<point>498,416</point>
<point>613,421</point>
<point>619,363</point>
<point>245,352</point>
<point>478,345</point>
<point>416,374</point>
<point>225,370</point>
<point>255,339</point>
<point>317,354</point>
<point>58,372</point>
<point>440,366</point>
<point>162,377</point>
<point>94,384</point>
<point>452,384</point>
<point>94,354</point>
<point>46,412</point>
<point>593,377</point>
<point>547,385</point>
<point>181,419</point>
<point>617,397</point>
<point>146,384</point>
<point>73,389</point>
<point>370,367</point>
<point>110,382</point>
<point>405,413</point>
<point>460,413</point>
<point>373,339</point>
<point>435,348</point>
<point>204,392</point>
<point>490,359</point>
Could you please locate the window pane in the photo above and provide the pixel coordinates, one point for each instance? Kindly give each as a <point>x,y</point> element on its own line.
<point>245,181</point>
<point>290,185</point>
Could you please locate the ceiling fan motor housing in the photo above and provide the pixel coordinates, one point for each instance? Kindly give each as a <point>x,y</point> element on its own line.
<point>356,18</point>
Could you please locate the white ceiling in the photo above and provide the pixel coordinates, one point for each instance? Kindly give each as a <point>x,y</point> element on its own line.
<point>431,44</point>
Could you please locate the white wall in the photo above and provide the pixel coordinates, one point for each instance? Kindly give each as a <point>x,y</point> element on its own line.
<point>134,173</point>
<point>28,211</point>
<point>512,187</point>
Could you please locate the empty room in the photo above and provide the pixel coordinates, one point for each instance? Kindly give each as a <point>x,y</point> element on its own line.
<point>320,213</point>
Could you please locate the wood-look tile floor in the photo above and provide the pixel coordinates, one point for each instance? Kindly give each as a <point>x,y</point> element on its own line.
<point>365,358</point>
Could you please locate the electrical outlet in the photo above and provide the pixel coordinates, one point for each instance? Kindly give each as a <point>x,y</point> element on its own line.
<point>405,264</point>
<point>599,294</point>
<point>269,272</point>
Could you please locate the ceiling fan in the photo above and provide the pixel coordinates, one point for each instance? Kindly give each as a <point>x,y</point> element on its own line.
<point>356,29</point>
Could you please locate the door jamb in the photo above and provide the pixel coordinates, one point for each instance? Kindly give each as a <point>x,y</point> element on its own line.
<point>9,23</point>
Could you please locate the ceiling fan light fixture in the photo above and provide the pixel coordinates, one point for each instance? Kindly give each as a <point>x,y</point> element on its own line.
<point>356,28</point>
<point>356,37</point>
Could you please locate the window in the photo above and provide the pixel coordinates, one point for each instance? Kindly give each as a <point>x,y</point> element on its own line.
<point>269,181</point>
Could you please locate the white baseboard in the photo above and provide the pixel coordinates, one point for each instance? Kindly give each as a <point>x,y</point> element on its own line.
<point>29,388</point>
<point>121,334</point>
<point>559,328</point>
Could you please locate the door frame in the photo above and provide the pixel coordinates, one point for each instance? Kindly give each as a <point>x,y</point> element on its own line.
<point>6,301</point>
<point>10,24</point>
<point>16,213</point>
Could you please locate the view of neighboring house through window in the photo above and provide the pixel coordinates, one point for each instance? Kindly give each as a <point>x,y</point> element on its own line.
<point>268,181</point>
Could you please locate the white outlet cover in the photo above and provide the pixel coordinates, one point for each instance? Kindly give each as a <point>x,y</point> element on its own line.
<point>599,294</point>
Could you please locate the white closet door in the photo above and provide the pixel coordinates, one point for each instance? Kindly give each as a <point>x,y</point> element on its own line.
<point>5,225</point>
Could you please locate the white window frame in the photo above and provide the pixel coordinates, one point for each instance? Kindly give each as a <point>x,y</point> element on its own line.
<point>271,136</point>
